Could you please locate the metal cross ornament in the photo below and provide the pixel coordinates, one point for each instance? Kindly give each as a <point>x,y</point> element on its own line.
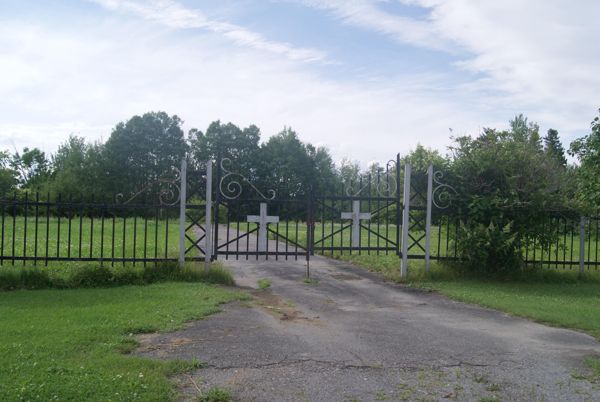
<point>263,220</point>
<point>356,216</point>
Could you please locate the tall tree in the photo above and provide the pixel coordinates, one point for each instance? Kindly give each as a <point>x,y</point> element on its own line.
<point>554,148</point>
<point>143,150</point>
<point>587,150</point>
<point>8,179</point>
<point>32,168</point>
<point>227,141</point>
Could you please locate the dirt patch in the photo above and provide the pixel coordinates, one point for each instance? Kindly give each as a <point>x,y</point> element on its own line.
<point>346,277</point>
<point>280,308</point>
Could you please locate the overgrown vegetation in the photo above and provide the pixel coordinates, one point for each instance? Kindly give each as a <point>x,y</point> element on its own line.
<point>69,344</point>
<point>96,275</point>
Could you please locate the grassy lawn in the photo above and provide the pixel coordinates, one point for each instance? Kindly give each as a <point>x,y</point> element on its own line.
<point>69,344</point>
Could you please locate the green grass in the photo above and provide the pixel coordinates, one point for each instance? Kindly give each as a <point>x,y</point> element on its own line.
<point>264,283</point>
<point>69,344</point>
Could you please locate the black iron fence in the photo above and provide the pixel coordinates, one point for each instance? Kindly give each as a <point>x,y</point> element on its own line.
<point>38,229</point>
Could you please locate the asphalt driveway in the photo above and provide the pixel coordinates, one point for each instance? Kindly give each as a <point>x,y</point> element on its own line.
<point>348,335</point>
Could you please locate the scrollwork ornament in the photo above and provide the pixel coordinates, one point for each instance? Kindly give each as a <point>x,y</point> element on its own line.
<point>169,192</point>
<point>231,187</point>
<point>443,193</point>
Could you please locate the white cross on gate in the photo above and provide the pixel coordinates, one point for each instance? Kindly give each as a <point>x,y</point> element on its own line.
<point>356,217</point>
<point>263,220</point>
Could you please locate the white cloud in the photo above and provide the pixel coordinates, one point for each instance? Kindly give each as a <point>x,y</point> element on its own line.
<point>172,14</point>
<point>84,88</point>
<point>536,57</point>
<point>366,14</point>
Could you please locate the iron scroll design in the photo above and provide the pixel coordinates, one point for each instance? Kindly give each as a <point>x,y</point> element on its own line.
<point>169,192</point>
<point>231,187</point>
<point>386,187</point>
<point>442,194</point>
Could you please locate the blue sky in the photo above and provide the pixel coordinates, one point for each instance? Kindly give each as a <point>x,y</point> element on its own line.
<point>366,78</point>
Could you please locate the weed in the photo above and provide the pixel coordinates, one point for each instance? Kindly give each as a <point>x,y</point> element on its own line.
<point>216,394</point>
<point>264,283</point>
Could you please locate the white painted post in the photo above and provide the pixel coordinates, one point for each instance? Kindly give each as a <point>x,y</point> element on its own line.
<point>182,206</point>
<point>405,222</point>
<point>208,218</point>
<point>428,216</point>
<point>582,246</point>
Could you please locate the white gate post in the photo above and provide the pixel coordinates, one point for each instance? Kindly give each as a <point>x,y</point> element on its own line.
<point>405,222</point>
<point>428,216</point>
<point>182,206</point>
<point>581,245</point>
<point>208,218</point>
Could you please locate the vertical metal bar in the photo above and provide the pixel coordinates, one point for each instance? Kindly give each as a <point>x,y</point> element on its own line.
<point>134,236</point>
<point>217,207</point>
<point>405,222</point>
<point>58,205</point>
<point>123,249</point>
<point>92,227</point>
<point>47,228</point>
<point>398,205</point>
<point>156,212</point>
<point>581,245</point>
<point>35,239</point>
<point>80,224</point>
<point>428,216</point>
<point>2,241</point>
<point>145,237</point>
<point>112,249</point>
<point>14,225</point>
<point>103,213</point>
<point>167,235</point>
<point>25,226</point>
<point>208,250</point>
<point>69,228</point>
<point>182,206</point>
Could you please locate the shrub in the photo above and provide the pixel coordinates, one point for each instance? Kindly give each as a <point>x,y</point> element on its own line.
<point>489,250</point>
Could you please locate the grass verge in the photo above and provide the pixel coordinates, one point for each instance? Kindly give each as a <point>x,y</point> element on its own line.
<point>96,275</point>
<point>69,344</point>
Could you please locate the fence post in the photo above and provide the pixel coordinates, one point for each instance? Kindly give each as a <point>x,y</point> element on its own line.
<point>428,216</point>
<point>405,222</point>
<point>182,206</point>
<point>581,245</point>
<point>208,218</point>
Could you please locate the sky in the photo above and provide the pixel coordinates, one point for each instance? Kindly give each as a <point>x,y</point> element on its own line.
<point>365,78</point>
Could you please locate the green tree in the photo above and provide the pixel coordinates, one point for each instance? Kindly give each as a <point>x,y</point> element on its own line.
<point>293,167</point>
<point>587,150</point>
<point>8,179</point>
<point>143,150</point>
<point>32,168</point>
<point>227,141</point>
<point>78,169</point>
<point>554,148</point>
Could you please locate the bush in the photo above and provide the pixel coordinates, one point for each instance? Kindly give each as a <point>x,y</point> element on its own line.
<point>489,250</point>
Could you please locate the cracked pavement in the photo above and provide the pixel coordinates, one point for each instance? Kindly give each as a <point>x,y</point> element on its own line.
<point>351,336</point>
